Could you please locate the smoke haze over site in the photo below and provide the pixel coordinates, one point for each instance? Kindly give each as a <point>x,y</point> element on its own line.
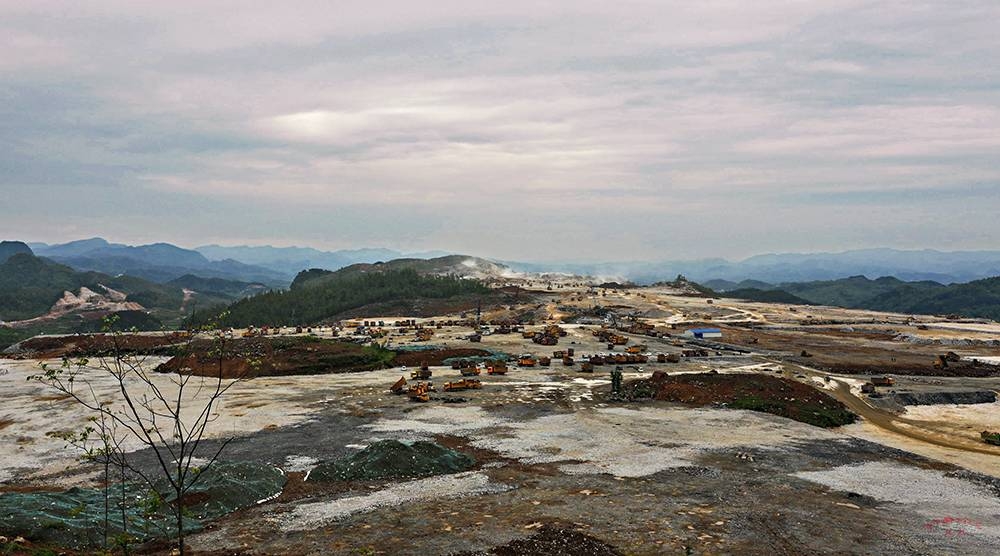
<point>518,130</point>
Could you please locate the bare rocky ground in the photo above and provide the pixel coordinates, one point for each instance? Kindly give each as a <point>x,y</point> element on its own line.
<point>563,470</point>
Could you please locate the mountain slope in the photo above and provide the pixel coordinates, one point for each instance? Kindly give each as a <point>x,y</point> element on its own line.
<point>31,286</point>
<point>461,266</point>
<point>10,248</point>
<point>979,298</point>
<point>328,295</point>
<point>292,260</point>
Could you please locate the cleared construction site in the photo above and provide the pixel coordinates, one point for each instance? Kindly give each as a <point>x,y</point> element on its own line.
<point>578,420</point>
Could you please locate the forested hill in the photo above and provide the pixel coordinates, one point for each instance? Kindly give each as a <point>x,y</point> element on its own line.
<point>980,298</point>
<point>318,296</point>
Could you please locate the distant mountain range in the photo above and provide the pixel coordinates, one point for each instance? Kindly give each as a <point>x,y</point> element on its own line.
<point>979,298</point>
<point>277,266</point>
<point>939,266</point>
<point>292,260</point>
<point>163,262</point>
<point>158,262</point>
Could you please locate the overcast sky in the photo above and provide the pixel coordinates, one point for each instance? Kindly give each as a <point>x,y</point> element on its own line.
<point>575,130</point>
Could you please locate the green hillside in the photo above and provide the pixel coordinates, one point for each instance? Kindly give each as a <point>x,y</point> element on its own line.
<point>325,295</point>
<point>766,296</point>
<point>30,285</point>
<point>978,299</point>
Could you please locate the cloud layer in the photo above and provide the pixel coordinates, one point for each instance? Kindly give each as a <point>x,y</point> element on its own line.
<point>525,130</point>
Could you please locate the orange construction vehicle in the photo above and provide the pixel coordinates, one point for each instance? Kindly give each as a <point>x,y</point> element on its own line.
<point>526,361</point>
<point>464,384</point>
<point>420,392</point>
<point>497,368</point>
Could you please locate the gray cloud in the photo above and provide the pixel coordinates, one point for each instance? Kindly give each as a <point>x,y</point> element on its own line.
<point>569,130</point>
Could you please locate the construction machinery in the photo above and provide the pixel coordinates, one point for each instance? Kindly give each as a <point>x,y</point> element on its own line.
<point>586,367</point>
<point>464,384</point>
<point>497,368</point>
<point>471,370</point>
<point>399,386</point>
<point>567,361</point>
<point>544,361</point>
<point>526,361</point>
<point>423,373</point>
<point>420,392</point>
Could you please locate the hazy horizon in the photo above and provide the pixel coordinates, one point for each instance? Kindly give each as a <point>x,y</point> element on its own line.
<point>576,131</point>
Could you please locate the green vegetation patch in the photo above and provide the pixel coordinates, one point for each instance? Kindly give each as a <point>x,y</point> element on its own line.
<point>319,299</point>
<point>75,518</point>
<point>390,459</point>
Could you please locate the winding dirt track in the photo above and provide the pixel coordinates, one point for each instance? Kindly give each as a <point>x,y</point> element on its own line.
<point>923,431</point>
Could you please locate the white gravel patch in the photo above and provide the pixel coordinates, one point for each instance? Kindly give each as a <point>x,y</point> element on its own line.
<point>619,441</point>
<point>315,515</point>
<point>434,420</point>
<point>927,492</point>
<point>294,463</point>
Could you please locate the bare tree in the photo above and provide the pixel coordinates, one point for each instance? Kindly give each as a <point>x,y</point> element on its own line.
<point>167,413</point>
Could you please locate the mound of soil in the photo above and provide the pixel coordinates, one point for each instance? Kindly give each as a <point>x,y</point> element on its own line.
<point>553,541</point>
<point>756,392</point>
<point>435,356</point>
<point>92,345</point>
<point>253,357</point>
<point>389,459</point>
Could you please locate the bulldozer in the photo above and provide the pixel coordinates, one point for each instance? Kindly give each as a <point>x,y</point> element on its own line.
<point>420,392</point>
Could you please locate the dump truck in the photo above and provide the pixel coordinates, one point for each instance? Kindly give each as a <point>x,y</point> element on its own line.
<point>567,361</point>
<point>470,371</point>
<point>497,368</point>
<point>882,381</point>
<point>661,357</point>
<point>464,384</point>
<point>423,373</point>
<point>638,348</point>
<point>526,361</point>
<point>544,361</point>
<point>399,386</point>
<point>586,367</point>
